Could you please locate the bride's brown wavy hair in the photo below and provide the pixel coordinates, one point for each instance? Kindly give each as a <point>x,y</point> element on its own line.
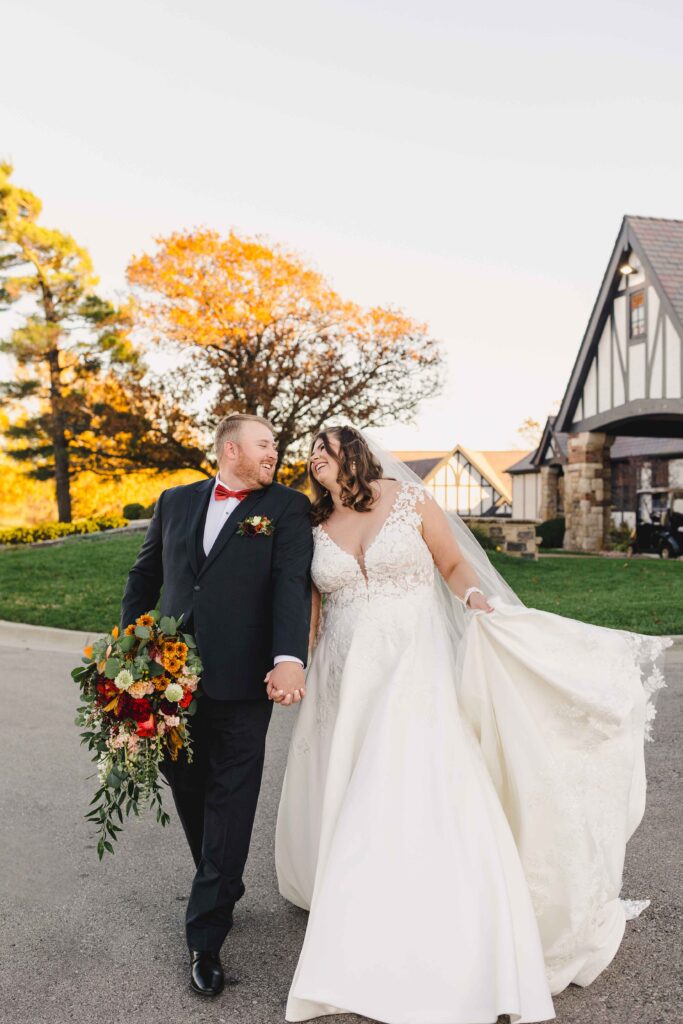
<point>358,467</point>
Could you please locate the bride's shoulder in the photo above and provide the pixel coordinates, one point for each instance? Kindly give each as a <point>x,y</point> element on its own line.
<point>408,490</point>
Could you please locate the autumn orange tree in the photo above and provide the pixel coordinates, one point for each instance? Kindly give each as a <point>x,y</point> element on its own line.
<point>266,334</point>
<point>81,395</point>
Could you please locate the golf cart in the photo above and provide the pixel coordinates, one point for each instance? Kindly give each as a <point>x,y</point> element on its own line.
<point>659,522</point>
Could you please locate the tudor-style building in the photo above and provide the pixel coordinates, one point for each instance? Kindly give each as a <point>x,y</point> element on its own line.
<point>472,483</point>
<point>627,384</point>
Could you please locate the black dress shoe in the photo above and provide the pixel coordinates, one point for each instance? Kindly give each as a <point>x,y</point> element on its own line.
<point>207,978</point>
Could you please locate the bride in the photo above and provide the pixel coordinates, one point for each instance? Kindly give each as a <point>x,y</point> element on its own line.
<point>463,774</point>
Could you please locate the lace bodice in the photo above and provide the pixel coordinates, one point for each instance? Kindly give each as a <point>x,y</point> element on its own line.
<point>397,562</point>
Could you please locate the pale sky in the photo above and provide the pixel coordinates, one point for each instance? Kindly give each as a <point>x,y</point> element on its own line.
<point>469,163</point>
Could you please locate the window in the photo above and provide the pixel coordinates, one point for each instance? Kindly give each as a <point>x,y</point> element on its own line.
<point>637,307</point>
<point>459,487</point>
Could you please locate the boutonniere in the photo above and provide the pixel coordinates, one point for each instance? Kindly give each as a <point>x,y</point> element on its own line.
<point>253,525</point>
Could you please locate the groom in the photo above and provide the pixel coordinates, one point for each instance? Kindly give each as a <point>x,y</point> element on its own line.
<point>246,598</point>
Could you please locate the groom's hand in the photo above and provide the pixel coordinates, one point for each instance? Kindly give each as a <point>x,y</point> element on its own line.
<point>285,683</point>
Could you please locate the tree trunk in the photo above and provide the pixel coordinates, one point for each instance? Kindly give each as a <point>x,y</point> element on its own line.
<point>58,437</point>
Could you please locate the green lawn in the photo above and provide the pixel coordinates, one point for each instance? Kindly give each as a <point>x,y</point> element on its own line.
<point>644,595</point>
<point>75,585</point>
<point>78,585</point>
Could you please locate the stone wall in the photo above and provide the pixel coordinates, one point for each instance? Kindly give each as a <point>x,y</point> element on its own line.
<point>587,491</point>
<point>548,504</point>
<point>513,536</point>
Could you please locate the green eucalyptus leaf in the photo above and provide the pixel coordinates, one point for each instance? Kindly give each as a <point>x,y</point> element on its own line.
<point>126,644</point>
<point>168,625</point>
<point>155,669</point>
<point>189,640</point>
<point>112,667</point>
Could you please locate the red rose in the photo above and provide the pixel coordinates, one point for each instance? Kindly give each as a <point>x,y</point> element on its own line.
<point>187,700</point>
<point>138,710</point>
<point>147,728</point>
<point>167,708</point>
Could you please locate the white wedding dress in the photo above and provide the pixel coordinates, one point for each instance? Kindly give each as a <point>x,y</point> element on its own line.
<point>455,816</point>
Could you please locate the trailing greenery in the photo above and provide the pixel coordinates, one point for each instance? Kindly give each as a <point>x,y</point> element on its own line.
<point>551,532</point>
<point>137,692</point>
<point>52,531</point>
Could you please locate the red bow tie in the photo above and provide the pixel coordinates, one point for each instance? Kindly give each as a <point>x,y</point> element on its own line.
<point>223,493</point>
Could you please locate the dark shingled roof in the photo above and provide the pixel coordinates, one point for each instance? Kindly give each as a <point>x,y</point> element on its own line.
<point>622,448</point>
<point>524,465</point>
<point>422,466</point>
<point>662,241</point>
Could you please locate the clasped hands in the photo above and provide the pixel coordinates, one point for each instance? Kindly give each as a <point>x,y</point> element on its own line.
<point>285,683</point>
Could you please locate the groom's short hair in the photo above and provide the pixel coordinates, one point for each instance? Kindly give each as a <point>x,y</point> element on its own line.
<point>229,428</point>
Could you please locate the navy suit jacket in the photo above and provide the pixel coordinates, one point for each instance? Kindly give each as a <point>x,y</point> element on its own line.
<point>247,601</point>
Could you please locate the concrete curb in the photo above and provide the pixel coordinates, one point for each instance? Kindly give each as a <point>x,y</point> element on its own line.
<point>48,638</point>
<point>43,638</point>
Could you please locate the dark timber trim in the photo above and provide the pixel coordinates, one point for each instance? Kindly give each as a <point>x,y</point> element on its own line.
<point>665,408</point>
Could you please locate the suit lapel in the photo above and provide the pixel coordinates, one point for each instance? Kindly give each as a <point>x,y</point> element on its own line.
<point>200,498</point>
<point>240,512</point>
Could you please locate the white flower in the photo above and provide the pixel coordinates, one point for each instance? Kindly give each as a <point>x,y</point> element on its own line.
<point>124,679</point>
<point>255,520</point>
<point>173,692</point>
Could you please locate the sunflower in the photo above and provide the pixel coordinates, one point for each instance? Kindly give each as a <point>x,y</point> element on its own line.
<point>180,653</point>
<point>144,620</point>
<point>130,630</point>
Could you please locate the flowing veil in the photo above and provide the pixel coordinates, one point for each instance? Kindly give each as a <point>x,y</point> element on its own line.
<point>648,649</point>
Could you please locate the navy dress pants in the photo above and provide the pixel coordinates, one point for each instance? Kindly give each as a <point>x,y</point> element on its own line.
<point>215,797</point>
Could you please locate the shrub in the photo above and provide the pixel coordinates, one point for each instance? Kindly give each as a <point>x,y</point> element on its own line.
<point>134,511</point>
<point>52,531</point>
<point>482,537</point>
<point>551,532</point>
<point>619,537</point>
<point>137,511</point>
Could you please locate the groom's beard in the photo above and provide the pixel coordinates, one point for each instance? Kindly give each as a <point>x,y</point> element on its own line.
<point>255,473</point>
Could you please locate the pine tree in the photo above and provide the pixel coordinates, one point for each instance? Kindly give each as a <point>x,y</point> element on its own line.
<point>81,393</point>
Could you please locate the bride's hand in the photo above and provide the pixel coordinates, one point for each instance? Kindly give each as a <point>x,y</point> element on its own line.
<point>281,684</point>
<point>479,602</point>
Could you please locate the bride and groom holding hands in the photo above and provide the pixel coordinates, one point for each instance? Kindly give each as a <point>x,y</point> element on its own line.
<point>463,774</point>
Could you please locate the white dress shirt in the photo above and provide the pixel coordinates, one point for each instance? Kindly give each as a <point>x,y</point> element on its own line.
<point>216,515</point>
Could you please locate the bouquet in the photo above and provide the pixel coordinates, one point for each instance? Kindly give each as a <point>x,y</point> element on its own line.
<point>138,692</point>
